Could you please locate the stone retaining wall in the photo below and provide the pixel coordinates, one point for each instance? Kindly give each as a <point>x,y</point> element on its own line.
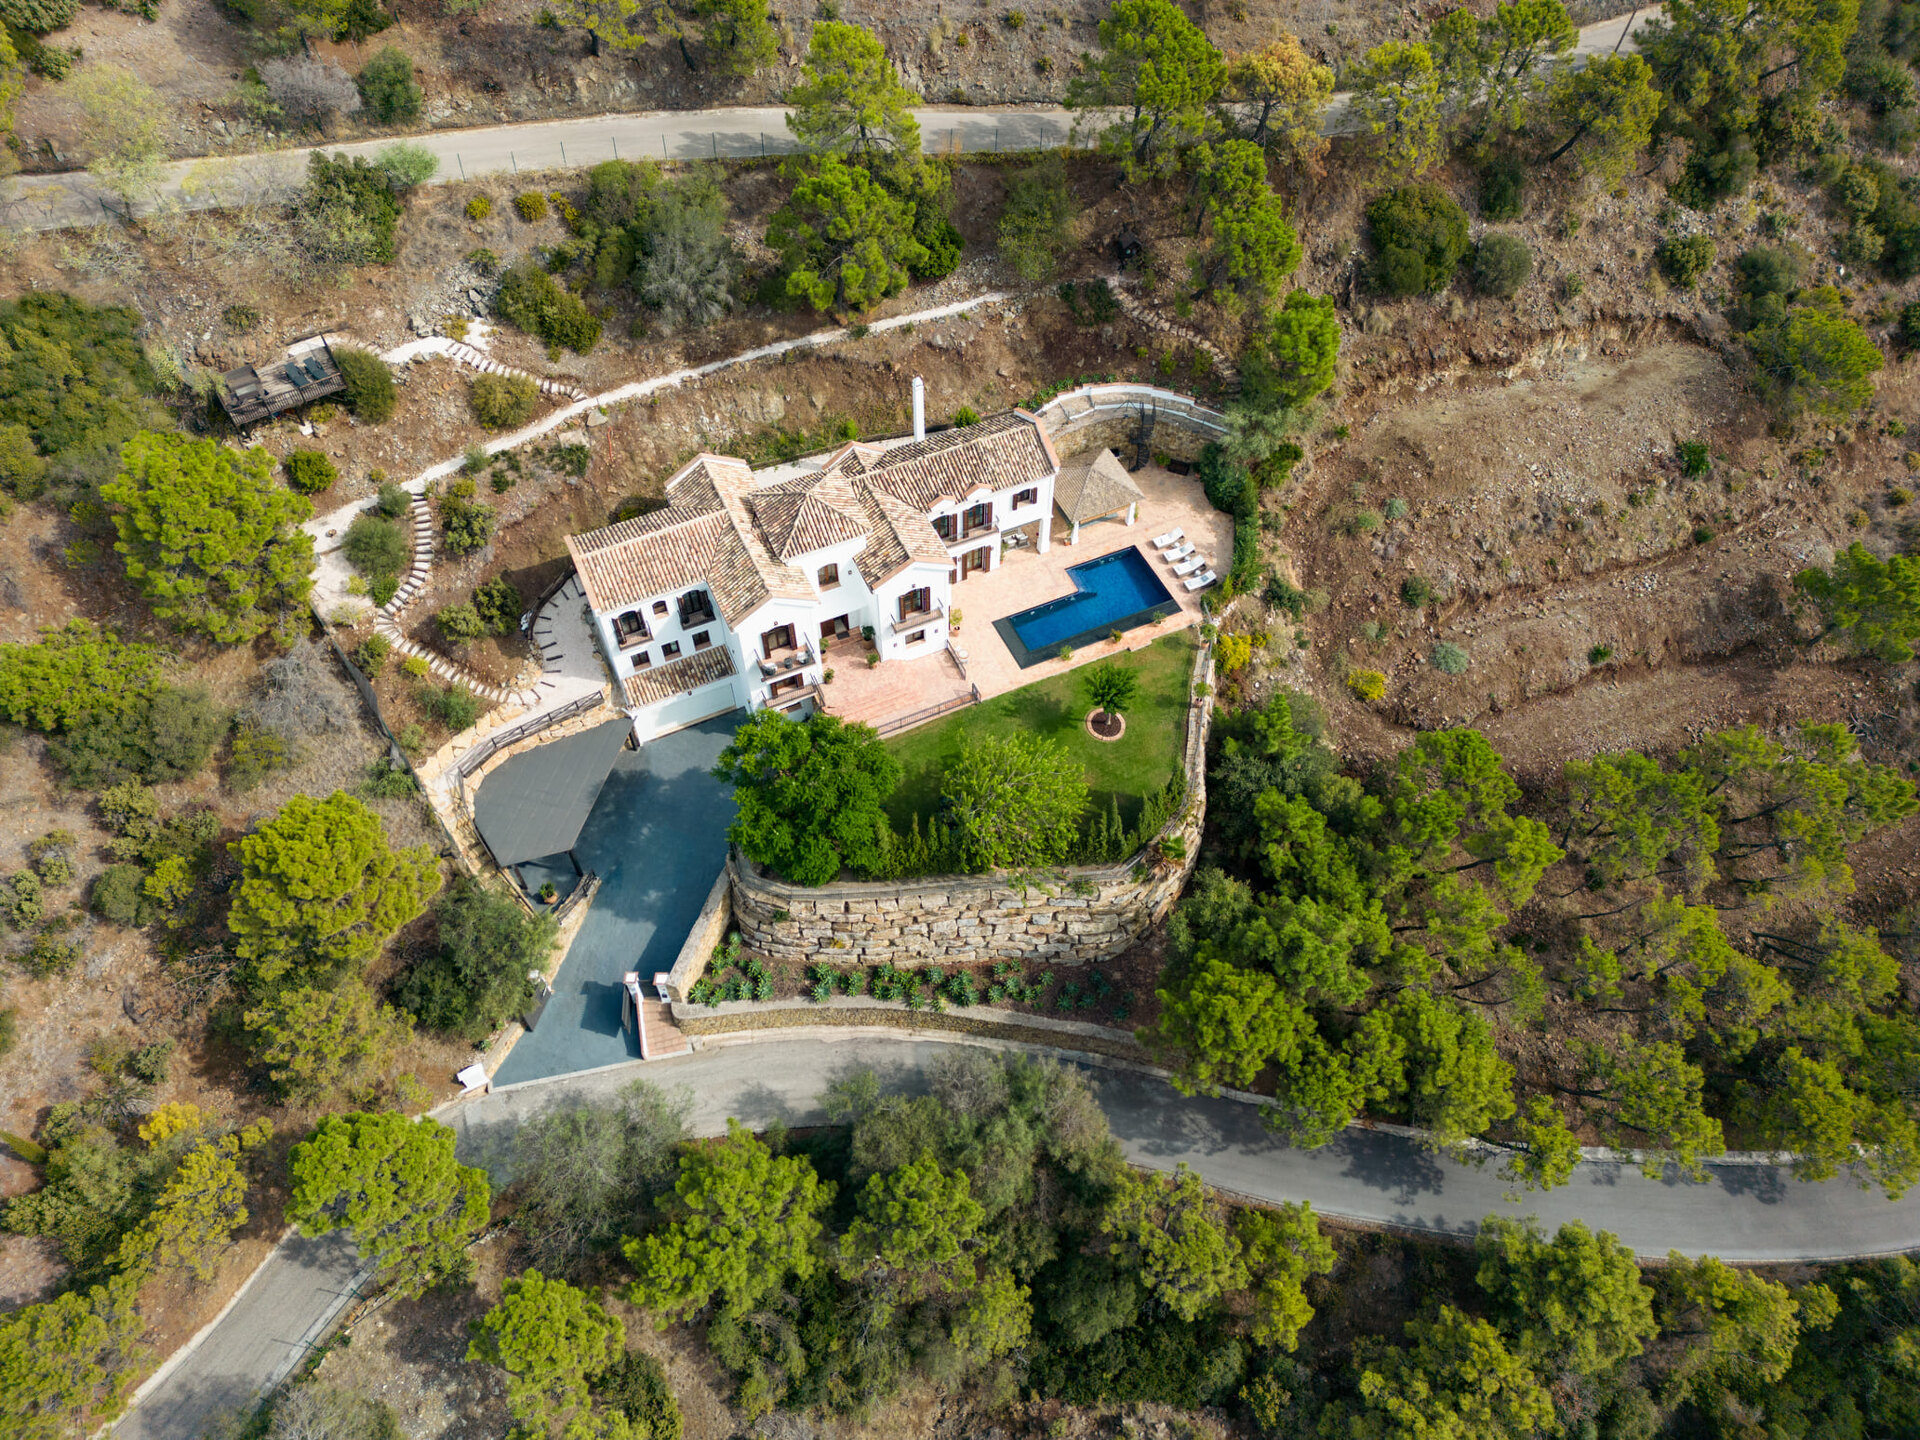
<point>1097,417</point>
<point>1072,915</point>
<point>843,1011</point>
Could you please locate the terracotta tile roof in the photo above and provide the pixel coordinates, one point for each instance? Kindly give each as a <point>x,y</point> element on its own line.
<point>797,521</point>
<point>677,677</point>
<point>1094,485</point>
<point>999,452</point>
<point>704,537</point>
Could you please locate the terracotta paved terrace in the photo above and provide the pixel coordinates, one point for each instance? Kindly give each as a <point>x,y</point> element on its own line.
<point>1027,578</point>
<point>889,691</point>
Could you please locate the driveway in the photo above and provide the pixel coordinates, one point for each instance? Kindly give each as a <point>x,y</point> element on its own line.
<point>657,837</point>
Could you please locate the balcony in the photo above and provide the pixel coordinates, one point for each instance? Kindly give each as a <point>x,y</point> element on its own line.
<point>917,620</point>
<point>702,616</point>
<point>785,659</point>
<point>637,637</point>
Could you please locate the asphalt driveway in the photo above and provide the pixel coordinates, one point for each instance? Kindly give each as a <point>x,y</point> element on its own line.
<point>657,837</point>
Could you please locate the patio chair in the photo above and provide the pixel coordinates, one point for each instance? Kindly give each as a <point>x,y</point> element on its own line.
<point>1187,567</point>
<point>1202,580</point>
<point>1178,553</point>
<point>1172,537</point>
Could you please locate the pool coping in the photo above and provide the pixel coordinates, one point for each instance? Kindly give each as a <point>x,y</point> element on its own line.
<point>1026,659</point>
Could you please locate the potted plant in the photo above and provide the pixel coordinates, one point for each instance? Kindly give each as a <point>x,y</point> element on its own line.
<point>873,658</point>
<point>866,633</point>
<point>826,676</point>
<point>953,620</point>
<point>548,894</point>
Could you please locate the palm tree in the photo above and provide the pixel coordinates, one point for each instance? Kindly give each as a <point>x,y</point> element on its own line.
<point>1112,689</point>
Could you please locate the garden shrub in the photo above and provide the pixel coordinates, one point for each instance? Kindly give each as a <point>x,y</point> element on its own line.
<point>532,299</point>
<point>499,605</point>
<point>1501,265</point>
<point>460,624</point>
<point>388,88</point>
<point>74,377</point>
<point>371,654</point>
<point>1503,189</point>
<point>394,501</point>
<point>466,524</point>
<point>636,1385</point>
<point>119,894</point>
<point>310,471</point>
<point>1683,259</point>
<point>479,208</point>
<point>1450,659</point>
<point>1416,591</point>
<point>255,752</point>
<point>1421,237</point>
<point>531,204</point>
<point>348,211</point>
<point>370,392</point>
<point>1695,459</point>
<point>380,551</point>
<point>456,707</point>
<point>503,402</point>
<point>1368,686</point>
<point>168,736</point>
<point>475,978</point>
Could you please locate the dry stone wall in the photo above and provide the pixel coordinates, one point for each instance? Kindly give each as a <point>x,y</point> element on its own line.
<point>1107,417</point>
<point>1073,915</point>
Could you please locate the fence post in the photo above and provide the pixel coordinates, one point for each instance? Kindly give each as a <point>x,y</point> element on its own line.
<point>461,163</point>
<point>514,162</point>
<point>563,155</point>
<point>616,145</point>
<point>714,140</point>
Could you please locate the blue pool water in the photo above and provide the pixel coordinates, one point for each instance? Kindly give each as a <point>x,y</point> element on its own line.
<point>1115,588</point>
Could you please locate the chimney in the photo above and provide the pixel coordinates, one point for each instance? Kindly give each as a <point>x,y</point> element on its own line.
<point>919,408</point>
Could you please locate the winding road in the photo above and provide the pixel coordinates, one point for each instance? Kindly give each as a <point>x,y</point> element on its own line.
<point>1744,1212</point>
<point>52,202</point>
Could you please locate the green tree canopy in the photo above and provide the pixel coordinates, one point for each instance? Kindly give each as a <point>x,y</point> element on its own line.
<point>1110,688</point>
<point>607,22</point>
<point>1420,235</point>
<point>850,100</point>
<point>845,241</point>
<point>1159,68</point>
<point>552,1341</point>
<point>1816,358</point>
<point>72,374</point>
<point>1606,109</point>
<point>394,1184</point>
<point>1456,1381</point>
<point>1744,1325</point>
<point>1168,1230</point>
<point>1396,97</point>
<point>320,889</point>
<point>809,794</point>
<point>739,36</point>
<point>475,978</point>
<point>1287,91</point>
<point>1014,800</point>
<point>209,538</point>
<point>1291,355</point>
<point>915,1230</point>
<point>74,676</point>
<point>742,1221</point>
<point>1575,1300</point>
<point>1254,248</point>
<point>203,1202</point>
<point>1492,69</point>
<point>1873,603</point>
<point>1281,1249</point>
<point>317,1043</point>
<point>65,1363</point>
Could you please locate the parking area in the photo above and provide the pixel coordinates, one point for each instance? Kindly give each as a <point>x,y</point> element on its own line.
<point>657,837</point>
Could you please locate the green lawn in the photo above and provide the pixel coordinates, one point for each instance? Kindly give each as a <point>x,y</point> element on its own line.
<point>1132,767</point>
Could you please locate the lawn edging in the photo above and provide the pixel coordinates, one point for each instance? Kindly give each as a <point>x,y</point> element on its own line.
<point>1065,915</point>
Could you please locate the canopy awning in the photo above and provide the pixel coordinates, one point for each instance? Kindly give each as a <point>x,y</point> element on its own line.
<point>535,804</point>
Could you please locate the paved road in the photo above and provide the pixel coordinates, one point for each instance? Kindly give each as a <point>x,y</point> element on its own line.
<point>47,202</point>
<point>657,837</point>
<point>1745,1213</point>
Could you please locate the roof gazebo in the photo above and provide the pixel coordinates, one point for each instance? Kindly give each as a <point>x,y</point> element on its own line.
<point>1093,487</point>
<point>307,373</point>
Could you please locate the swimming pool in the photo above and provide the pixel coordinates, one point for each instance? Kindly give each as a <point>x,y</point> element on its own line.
<point>1115,592</point>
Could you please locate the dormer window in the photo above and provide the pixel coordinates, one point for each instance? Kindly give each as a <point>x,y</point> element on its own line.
<point>829,577</point>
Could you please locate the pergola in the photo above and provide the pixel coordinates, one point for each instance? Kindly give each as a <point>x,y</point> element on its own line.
<point>1095,487</point>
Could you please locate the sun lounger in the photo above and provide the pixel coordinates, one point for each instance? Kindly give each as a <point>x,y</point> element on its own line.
<point>1202,580</point>
<point>1177,553</point>
<point>1187,567</point>
<point>1161,542</point>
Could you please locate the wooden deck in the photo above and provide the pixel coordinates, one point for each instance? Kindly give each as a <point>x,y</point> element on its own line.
<point>307,372</point>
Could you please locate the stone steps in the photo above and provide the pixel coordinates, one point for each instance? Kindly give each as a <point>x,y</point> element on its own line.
<point>474,360</point>
<point>1130,305</point>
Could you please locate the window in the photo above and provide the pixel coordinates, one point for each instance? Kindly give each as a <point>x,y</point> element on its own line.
<point>630,629</point>
<point>702,640</point>
<point>695,608</point>
<point>917,637</point>
<point>641,660</point>
<point>915,602</point>
<point>979,517</point>
<point>829,577</point>
<point>981,559</point>
<point>670,649</point>
<point>659,607</point>
<point>943,526</point>
<point>773,641</point>
<point>1025,497</point>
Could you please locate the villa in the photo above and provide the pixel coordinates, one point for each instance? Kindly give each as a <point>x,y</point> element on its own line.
<point>725,598</point>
